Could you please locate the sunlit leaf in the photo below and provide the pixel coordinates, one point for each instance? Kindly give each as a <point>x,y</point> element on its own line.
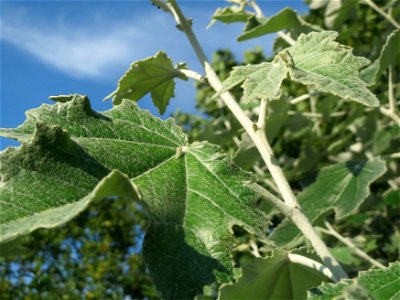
<point>318,61</point>
<point>153,75</point>
<point>193,195</point>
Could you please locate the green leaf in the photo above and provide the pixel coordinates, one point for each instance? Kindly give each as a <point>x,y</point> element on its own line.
<point>274,277</point>
<point>390,55</point>
<point>341,187</point>
<point>372,284</point>
<point>193,195</point>
<point>285,19</point>
<point>262,81</point>
<point>50,180</point>
<point>231,14</point>
<point>153,75</point>
<point>317,60</point>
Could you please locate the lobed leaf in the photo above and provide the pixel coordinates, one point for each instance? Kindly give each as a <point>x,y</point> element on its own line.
<point>193,195</point>
<point>262,81</point>
<point>341,187</point>
<point>371,284</point>
<point>153,75</point>
<point>317,60</point>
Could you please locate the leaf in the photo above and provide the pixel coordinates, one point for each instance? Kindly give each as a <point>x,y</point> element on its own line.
<point>193,195</point>
<point>285,19</point>
<point>231,14</point>
<point>317,60</point>
<point>390,55</point>
<point>274,277</point>
<point>342,187</point>
<point>47,182</point>
<point>151,75</point>
<point>375,283</point>
<point>262,81</point>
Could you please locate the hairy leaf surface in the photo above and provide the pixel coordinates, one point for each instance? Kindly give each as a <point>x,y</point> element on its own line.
<point>285,19</point>
<point>341,187</point>
<point>261,81</point>
<point>373,284</point>
<point>153,75</point>
<point>192,194</point>
<point>317,60</point>
<point>274,277</point>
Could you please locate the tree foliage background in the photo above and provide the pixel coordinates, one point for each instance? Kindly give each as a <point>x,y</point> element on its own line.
<point>97,255</point>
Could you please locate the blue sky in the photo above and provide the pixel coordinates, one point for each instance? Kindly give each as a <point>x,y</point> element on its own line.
<point>63,47</point>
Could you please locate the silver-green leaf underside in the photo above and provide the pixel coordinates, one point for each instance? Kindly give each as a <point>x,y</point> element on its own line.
<point>153,75</point>
<point>285,19</point>
<point>274,277</point>
<point>371,284</point>
<point>318,61</point>
<point>341,187</point>
<point>193,195</point>
<point>262,81</point>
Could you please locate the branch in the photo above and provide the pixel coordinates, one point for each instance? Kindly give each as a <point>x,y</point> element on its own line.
<point>263,114</point>
<point>331,231</point>
<point>382,13</point>
<point>297,216</point>
<point>260,141</point>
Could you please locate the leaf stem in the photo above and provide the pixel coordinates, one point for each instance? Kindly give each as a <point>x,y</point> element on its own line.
<point>312,264</point>
<point>331,231</point>
<point>300,220</point>
<point>382,13</point>
<point>260,140</point>
<point>193,75</point>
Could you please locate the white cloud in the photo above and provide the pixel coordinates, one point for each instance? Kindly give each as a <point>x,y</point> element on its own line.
<point>83,50</point>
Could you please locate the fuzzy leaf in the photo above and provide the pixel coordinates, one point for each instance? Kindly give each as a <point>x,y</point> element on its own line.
<point>193,195</point>
<point>153,75</point>
<point>262,81</point>
<point>341,187</point>
<point>274,277</point>
<point>371,284</point>
<point>317,60</point>
<point>285,19</point>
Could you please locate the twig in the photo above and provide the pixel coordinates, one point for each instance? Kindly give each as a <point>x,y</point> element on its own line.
<point>390,114</point>
<point>261,142</point>
<point>382,13</point>
<point>331,231</point>
<point>392,102</point>
<point>286,37</point>
<point>391,156</point>
<point>299,99</point>
<point>308,262</point>
<point>317,115</point>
